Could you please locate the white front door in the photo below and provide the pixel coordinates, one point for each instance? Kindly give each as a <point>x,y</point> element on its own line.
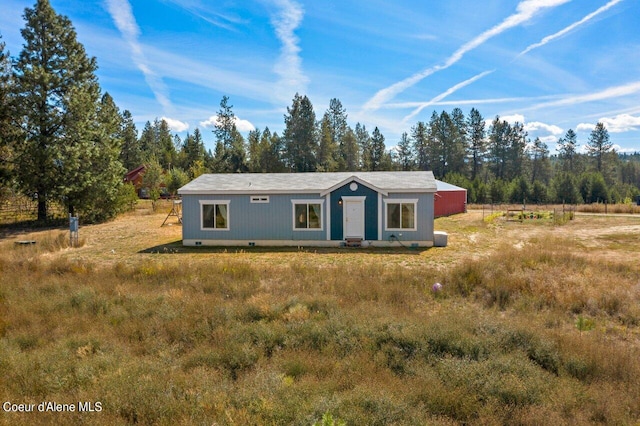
<point>353,217</point>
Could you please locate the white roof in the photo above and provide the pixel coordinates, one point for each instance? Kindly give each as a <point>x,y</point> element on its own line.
<point>444,186</point>
<point>322,183</point>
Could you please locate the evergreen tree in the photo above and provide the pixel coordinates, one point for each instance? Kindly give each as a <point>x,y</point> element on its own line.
<point>599,145</point>
<point>8,131</point>
<point>565,188</point>
<point>192,154</point>
<point>498,149</point>
<point>57,94</point>
<point>377,153</point>
<point>167,153</point>
<point>540,165</point>
<point>568,151</point>
<point>131,154</point>
<point>350,151</point>
<point>458,150</point>
<point>420,137</point>
<point>516,154</point>
<point>230,154</point>
<point>148,143</point>
<point>446,142</point>
<point>405,154</point>
<point>337,122</point>
<point>328,147</point>
<point>300,136</point>
<point>476,143</point>
<point>363,139</point>
<point>253,139</point>
<point>106,170</point>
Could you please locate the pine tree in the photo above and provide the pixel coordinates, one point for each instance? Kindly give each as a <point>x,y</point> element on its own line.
<point>350,151</point>
<point>328,147</point>
<point>57,94</point>
<point>377,152</point>
<point>498,148</point>
<point>405,154</point>
<point>7,128</point>
<point>167,154</point>
<point>363,140</point>
<point>420,137</point>
<point>253,140</point>
<point>131,154</point>
<point>230,154</point>
<point>101,202</point>
<point>337,122</point>
<point>476,143</point>
<point>540,165</point>
<point>567,151</point>
<point>300,136</point>
<point>599,145</point>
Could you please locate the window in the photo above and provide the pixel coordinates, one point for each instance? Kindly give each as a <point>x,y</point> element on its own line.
<point>260,199</point>
<point>215,215</point>
<point>401,214</point>
<point>307,214</point>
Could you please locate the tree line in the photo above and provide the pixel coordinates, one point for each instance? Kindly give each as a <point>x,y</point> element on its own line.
<point>63,140</point>
<point>496,162</point>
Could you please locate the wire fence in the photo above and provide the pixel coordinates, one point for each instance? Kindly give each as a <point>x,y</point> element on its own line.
<point>15,208</point>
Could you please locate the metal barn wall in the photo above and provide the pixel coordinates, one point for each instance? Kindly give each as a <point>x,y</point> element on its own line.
<point>450,202</point>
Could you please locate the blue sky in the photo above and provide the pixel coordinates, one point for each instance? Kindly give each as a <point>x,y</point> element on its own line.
<point>551,64</point>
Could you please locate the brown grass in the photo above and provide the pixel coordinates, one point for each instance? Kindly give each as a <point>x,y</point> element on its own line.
<point>163,335</point>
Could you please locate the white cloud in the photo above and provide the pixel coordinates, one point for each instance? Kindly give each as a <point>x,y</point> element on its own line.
<point>570,27</point>
<point>585,127</point>
<point>122,15</point>
<point>536,126</point>
<point>526,10</point>
<point>289,64</point>
<point>445,94</point>
<point>619,124</point>
<point>512,119</point>
<point>176,125</point>
<point>241,125</point>
<point>611,92</point>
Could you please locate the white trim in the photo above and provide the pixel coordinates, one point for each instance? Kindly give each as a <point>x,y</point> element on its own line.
<point>320,192</point>
<point>307,201</point>
<point>380,214</point>
<point>354,178</point>
<point>213,203</point>
<point>259,199</point>
<point>191,242</point>
<point>413,201</point>
<point>328,216</point>
<point>352,199</point>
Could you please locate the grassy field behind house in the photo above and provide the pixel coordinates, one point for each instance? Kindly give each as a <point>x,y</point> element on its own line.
<point>536,323</point>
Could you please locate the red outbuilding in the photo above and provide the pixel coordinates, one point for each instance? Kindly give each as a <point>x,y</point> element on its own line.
<point>449,199</point>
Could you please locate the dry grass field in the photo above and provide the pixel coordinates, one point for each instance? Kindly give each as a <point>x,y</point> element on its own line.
<point>537,322</point>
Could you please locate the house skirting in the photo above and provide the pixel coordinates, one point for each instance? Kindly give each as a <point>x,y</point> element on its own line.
<point>301,243</point>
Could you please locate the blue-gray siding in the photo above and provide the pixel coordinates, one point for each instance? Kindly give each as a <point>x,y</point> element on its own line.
<point>424,219</point>
<point>274,220</point>
<point>251,221</point>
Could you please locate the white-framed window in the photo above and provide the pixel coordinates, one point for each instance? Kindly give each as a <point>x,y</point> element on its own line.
<point>401,214</point>
<point>307,215</point>
<point>214,215</point>
<point>259,199</point>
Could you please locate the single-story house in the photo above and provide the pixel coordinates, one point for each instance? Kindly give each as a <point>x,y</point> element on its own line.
<point>450,199</point>
<point>310,209</point>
